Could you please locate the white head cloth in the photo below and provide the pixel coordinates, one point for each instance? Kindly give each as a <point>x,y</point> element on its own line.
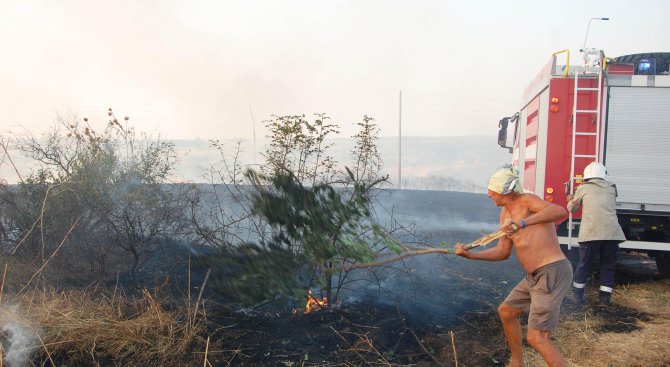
<point>505,181</point>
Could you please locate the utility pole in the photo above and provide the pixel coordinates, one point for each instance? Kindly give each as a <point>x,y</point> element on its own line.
<point>253,121</point>
<point>400,141</point>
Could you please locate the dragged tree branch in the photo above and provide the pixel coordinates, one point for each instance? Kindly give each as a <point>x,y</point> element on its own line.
<point>482,241</point>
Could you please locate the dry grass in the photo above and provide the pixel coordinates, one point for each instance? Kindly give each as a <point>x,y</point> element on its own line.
<point>80,327</point>
<point>633,331</point>
<point>88,328</point>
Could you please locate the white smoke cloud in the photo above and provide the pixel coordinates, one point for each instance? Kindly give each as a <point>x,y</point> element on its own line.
<point>450,223</point>
<point>19,339</point>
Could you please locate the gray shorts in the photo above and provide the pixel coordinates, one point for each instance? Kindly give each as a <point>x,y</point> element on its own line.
<point>541,293</point>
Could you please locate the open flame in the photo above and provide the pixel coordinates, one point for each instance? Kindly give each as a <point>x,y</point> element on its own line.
<point>315,303</point>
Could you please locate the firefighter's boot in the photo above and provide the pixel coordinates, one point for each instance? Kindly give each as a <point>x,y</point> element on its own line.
<point>578,293</point>
<point>604,298</point>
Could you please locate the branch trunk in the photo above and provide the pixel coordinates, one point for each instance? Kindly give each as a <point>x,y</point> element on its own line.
<point>482,241</point>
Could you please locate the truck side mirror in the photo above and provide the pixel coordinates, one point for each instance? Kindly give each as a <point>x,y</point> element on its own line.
<point>502,137</point>
<point>502,133</point>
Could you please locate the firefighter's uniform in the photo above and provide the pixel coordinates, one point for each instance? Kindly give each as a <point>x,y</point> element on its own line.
<point>599,231</point>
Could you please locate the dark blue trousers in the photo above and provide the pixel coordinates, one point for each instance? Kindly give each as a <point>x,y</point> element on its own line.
<point>589,253</point>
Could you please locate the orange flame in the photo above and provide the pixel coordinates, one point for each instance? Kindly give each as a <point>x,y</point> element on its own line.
<point>315,303</point>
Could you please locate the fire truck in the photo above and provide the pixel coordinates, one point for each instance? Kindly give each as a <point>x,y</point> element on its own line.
<point>612,110</point>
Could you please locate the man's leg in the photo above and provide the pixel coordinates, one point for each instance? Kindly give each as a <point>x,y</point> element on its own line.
<point>510,319</point>
<point>540,340</point>
<point>547,294</point>
<point>608,256</point>
<point>587,253</point>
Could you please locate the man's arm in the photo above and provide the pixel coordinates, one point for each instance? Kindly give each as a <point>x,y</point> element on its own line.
<point>501,252</point>
<point>541,212</point>
<point>574,202</point>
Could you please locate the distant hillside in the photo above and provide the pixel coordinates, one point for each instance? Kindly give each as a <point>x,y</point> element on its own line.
<point>456,163</point>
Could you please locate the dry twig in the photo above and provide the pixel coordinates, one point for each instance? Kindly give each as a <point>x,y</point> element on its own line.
<point>453,346</point>
<point>50,257</point>
<point>3,144</point>
<point>197,303</point>
<point>418,341</point>
<point>237,351</point>
<point>205,362</point>
<point>369,347</point>
<point>402,318</point>
<point>347,342</point>
<point>2,288</point>
<point>40,219</point>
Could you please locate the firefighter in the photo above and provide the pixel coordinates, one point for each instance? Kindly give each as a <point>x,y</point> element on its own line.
<point>599,232</point>
<point>530,225</point>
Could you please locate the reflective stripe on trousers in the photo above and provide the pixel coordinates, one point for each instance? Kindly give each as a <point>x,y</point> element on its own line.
<point>589,253</point>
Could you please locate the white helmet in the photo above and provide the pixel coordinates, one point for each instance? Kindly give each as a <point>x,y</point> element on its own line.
<point>595,170</point>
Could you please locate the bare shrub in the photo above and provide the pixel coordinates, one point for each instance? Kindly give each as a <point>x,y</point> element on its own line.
<point>111,183</point>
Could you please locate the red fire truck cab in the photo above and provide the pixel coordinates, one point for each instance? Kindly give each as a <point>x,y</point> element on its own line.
<point>615,111</point>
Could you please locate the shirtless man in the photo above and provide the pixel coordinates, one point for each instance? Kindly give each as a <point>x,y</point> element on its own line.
<point>530,225</point>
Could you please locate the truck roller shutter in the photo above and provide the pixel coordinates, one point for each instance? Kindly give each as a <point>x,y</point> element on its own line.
<point>637,150</point>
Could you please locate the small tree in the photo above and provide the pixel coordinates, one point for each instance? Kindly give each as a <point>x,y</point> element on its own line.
<point>299,146</point>
<point>367,161</point>
<point>312,221</point>
<point>317,230</point>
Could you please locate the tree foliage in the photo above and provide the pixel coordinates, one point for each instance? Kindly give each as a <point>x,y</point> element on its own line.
<point>366,157</point>
<point>110,183</point>
<point>317,229</point>
<point>313,218</point>
<point>300,146</point>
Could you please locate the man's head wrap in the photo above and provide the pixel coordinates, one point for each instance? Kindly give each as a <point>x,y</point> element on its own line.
<point>505,181</point>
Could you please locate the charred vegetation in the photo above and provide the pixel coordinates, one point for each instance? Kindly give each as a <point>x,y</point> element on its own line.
<point>108,261</point>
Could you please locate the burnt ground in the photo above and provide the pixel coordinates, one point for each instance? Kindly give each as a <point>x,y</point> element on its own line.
<point>357,335</point>
<point>374,335</point>
<point>369,333</point>
<point>434,305</point>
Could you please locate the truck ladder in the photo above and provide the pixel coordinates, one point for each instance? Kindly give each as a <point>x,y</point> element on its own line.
<point>587,73</point>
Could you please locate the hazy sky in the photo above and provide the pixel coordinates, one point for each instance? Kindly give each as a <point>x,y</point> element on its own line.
<point>189,69</point>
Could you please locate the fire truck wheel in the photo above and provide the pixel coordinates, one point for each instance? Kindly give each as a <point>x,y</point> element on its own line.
<point>663,264</point>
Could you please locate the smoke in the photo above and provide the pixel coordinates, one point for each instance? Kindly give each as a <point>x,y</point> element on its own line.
<point>433,289</point>
<point>453,223</point>
<point>19,340</point>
